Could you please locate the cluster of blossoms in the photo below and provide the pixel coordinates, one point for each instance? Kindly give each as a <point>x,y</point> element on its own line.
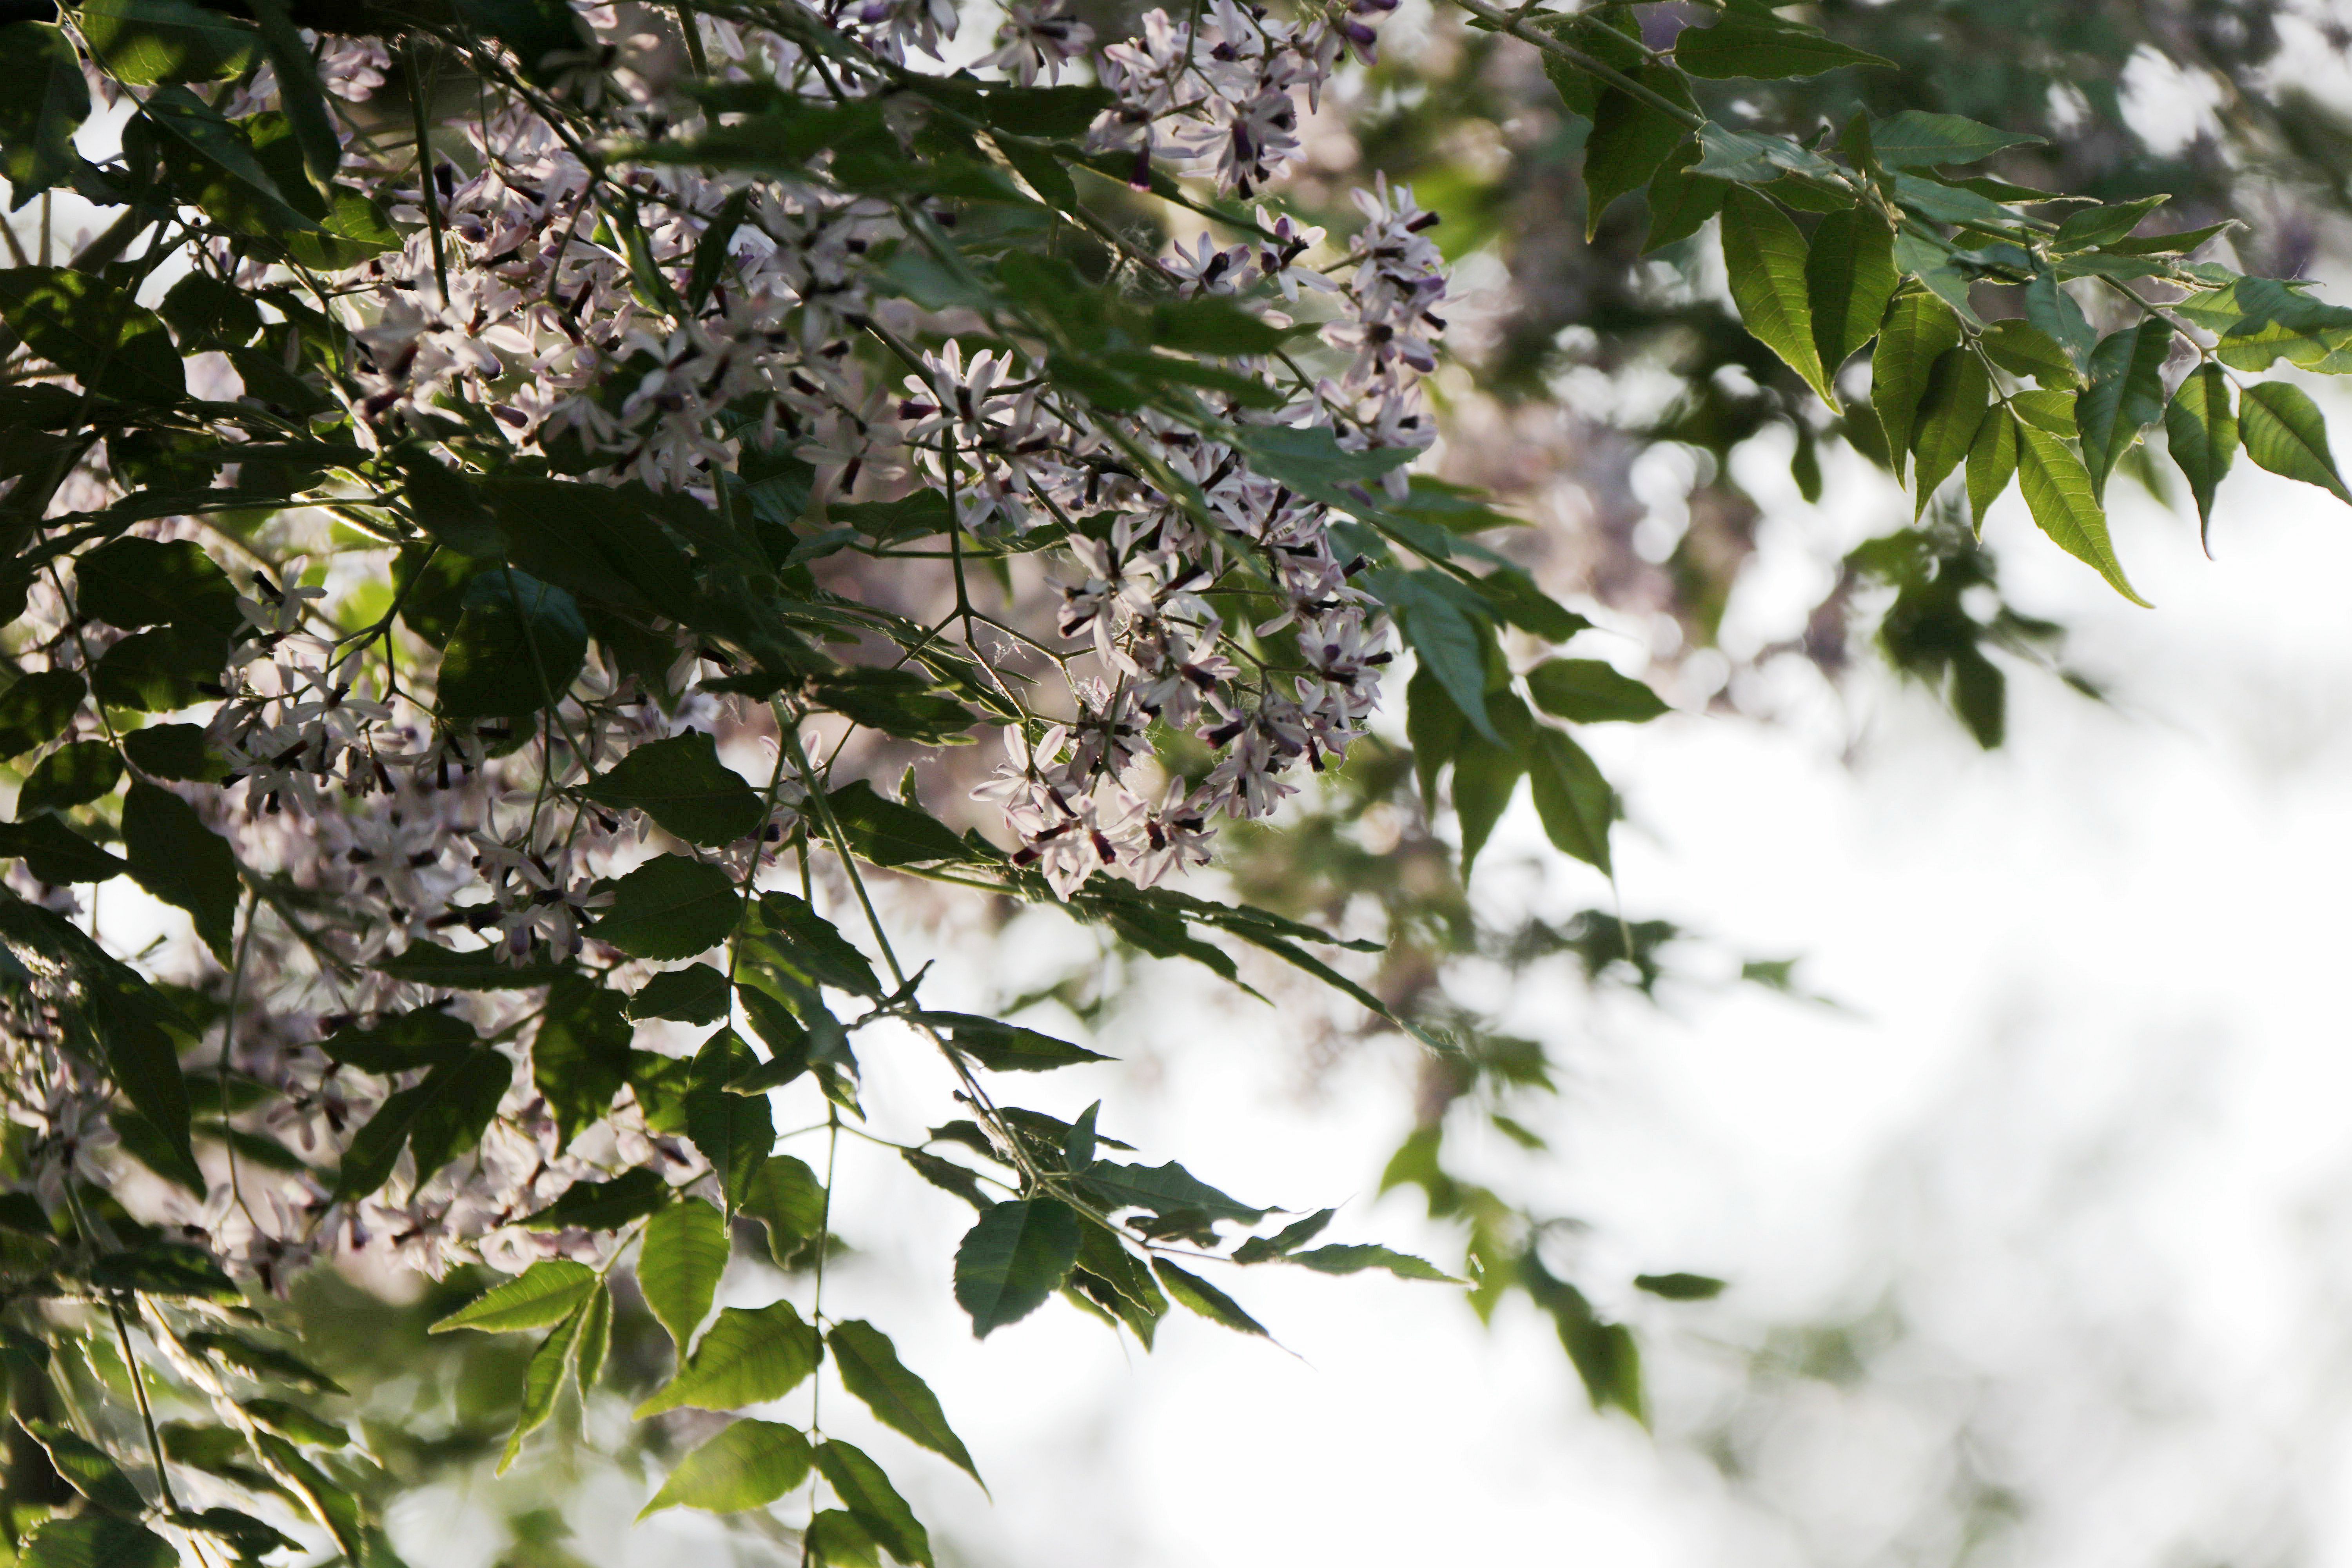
<point>571,299</point>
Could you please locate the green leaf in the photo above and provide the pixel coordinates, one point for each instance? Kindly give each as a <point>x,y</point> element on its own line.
<point>2045,410</point>
<point>1746,44</point>
<point>1914,139</point>
<point>670,907</point>
<point>56,854</point>
<point>1574,802</point>
<point>1486,776</point>
<point>37,710</point>
<point>603,1205</point>
<point>177,858</point>
<point>948,1176</point>
<point>43,101</point>
<point>1950,414</point>
<point>425,1036</point>
<point>1587,692</point>
<point>1993,463</point>
<point>1007,1047</point>
<point>74,774</point>
<point>2285,433</point>
<point>95,330</point>
<point>545,1293</point>
<point>2088,229</point>
<point>97,1540</point>
<point>869,1368</point>
<point>1766,257</point>
<point>874,1503</point>
<point>161,1268</point>
<point>1163,1190</point>
<point>175,751</point>
<point>750,1464</point>
<point>1434,726</point>
<point>1680,201</point>
<point>87,1468</point>
<point>225,176</point>
<point>2052,311</point>
<point>1198,1295</point>
<point>748,1357</point>
<point>296,1425</point>
<point>263,1363</point>
<point>157,671</point>
<point>435,1121</point>
<point>812,946</point>
<point>1017,1255</point>
<point>1680,1287</point>
<point>1919,329</point>
<point>2058,491</point>
<point>835,1539</point>
<point>1629,141</point>
<point>595,1339</point>
<point>579,1057</point>
<point>681,783</point>
<point>1445,638</point>
<point>2022,349</point>
<point>2201,429</point>
<point>679,1264</point>
<point>299,94</point>
<point>888,833</point>
<point>1356,1258</point>
<point>695,995</point>
<point>1849,279</point>
<point>785,1196</point>
<point>2125,395</point>
<point>143,42</point>
<point>543,1381</point>
<point>518,646</point>
<point>480,969</point>
<point>1933,263</point>
<point>734,1132</point>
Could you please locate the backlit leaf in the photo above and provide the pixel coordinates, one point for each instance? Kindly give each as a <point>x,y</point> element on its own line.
<point>2285,433</point>
<point>2058,491</point>
<point>2125,395</point>
<point>1993,463</point>
<point>1919,329</point>
<point>1766,257</point>
<point>679,1263</point>
<point>748,1357</point>
<point>2200,428</point>
<point>1849,279</point>
<point>541,1295</point>
<point>750,1464</point>
<point>1950,414</point>
<point>874,1502</point>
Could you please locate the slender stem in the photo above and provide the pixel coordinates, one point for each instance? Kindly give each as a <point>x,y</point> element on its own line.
<point>146,1411</point>
<point>1509,22</point>
<point>416,89</point>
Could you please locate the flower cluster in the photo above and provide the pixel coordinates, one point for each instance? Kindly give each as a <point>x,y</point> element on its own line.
<point>639,321</point>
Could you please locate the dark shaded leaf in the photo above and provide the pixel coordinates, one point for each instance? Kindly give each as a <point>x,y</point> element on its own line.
<point>1017,1255</point>
<point>603,1205</point>
<point>681,783</point>
<point>579,1057</point>
<point>869,1368</point>
<point>670,907</point>
<point>177,858</point>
